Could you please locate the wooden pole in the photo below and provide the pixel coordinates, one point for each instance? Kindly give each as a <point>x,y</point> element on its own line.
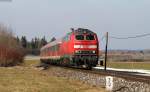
<point>106,50</point>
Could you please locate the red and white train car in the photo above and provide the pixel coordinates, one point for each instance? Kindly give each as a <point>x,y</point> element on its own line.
<point>77,48</point>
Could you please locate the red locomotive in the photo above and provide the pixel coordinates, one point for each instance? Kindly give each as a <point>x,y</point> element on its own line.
<point>78,48</point>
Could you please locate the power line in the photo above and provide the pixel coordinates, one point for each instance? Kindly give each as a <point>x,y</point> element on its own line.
<point>5,0</point>
<point>130,37</point>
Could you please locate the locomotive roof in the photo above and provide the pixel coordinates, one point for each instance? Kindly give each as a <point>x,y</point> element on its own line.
<point>82,31</point>
<point>53,43</point>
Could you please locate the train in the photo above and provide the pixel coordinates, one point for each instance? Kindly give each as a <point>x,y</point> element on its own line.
<point>78,48</point>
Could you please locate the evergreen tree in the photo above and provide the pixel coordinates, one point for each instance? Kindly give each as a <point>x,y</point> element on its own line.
<point>36,42</point>
<point>18,40</point>
<point>32,44</point>
<point>53,39</point>
<point>43,42</point>
<point>24,42</point>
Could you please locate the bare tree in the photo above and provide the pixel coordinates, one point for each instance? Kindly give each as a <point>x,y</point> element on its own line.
<point>11,52</point>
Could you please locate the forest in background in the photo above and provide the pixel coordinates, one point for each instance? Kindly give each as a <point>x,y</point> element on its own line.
<point>13,49</point>
<point>33,47</point>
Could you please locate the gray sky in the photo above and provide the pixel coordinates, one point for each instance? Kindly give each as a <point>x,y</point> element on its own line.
<point>55,18</point>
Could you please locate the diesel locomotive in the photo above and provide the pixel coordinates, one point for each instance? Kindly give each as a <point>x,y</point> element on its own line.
<point>79,48</point>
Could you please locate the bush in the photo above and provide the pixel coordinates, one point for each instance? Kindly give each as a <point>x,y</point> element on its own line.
<point>11,52</point>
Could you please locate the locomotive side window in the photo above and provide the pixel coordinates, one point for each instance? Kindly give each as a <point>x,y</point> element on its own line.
<point>90,37</point>
<point>66,38</point>
<point>79,37</point>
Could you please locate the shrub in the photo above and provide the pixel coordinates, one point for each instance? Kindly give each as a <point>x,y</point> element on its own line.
<point>11,52</point>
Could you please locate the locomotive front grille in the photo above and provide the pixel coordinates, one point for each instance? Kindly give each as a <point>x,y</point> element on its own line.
<point>85,52</point>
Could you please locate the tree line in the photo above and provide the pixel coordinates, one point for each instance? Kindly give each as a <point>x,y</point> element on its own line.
<point>33,46</point>
<point>35,43</point>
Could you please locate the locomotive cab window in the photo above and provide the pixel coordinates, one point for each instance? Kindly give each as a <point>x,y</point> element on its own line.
<point>90,37</point>
<point>79,37</point>
<point>66,38</point>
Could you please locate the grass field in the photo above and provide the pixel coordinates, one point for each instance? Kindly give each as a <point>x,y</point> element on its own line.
<point>129,65</point>
<point>27,78</point>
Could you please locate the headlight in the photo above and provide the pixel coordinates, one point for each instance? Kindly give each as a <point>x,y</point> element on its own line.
<point>94,52</point>
<point>77,51</point>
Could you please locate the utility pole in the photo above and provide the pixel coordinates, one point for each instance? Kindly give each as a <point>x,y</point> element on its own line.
<point>106,50</point>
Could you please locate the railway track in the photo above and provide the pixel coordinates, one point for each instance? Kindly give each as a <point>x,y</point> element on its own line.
<point>131,76</point>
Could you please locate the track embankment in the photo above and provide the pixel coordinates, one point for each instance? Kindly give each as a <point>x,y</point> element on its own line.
<point>116,84</point>
<point>112,81</point>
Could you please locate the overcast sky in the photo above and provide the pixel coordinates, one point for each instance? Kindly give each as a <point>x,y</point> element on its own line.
<point>55,18</point>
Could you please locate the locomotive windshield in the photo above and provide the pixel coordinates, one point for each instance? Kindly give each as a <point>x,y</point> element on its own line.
<point>89,37</point>
<point>79,37</point>
<point>85,37</point>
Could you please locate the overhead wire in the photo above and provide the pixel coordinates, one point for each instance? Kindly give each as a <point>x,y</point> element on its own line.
<point>130,37</point>
<point>123,38</point>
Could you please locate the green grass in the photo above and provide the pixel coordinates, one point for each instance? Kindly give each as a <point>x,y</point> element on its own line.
<point>129,65</point>
<point>26,78</point>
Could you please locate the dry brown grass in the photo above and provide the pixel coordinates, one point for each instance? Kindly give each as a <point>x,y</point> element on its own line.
<point>129,65</point>
<point>27,78</point>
